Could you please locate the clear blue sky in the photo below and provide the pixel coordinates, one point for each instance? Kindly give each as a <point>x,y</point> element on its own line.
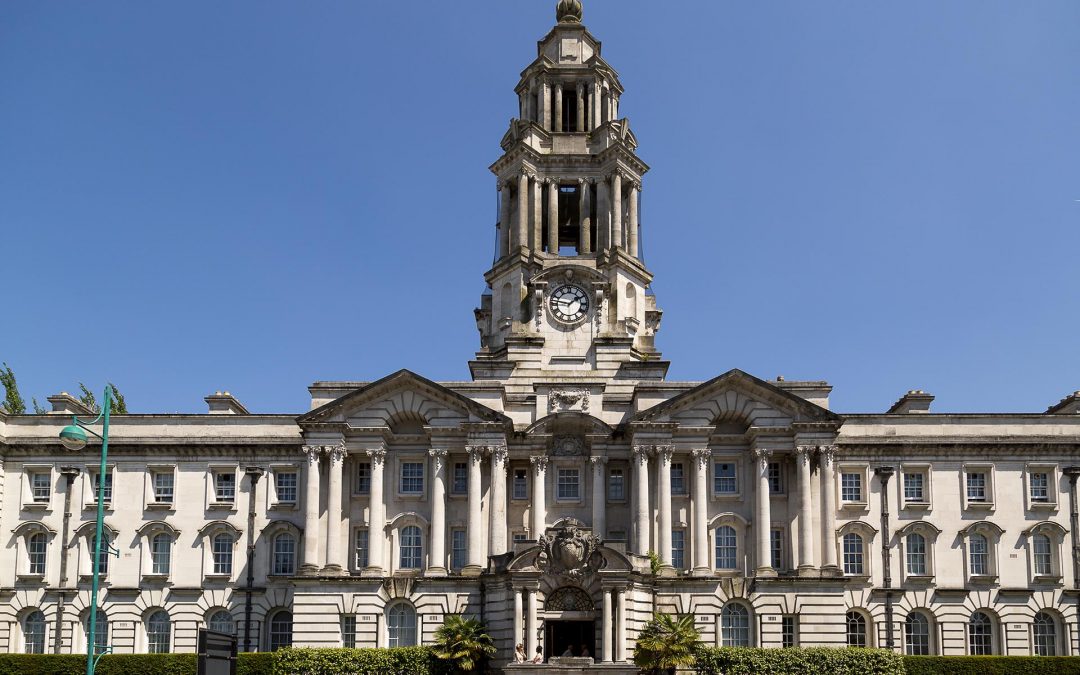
<point>255,195</point>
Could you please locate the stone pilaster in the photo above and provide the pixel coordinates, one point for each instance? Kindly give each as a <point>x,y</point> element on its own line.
<point>475,564</point>
<point>807,565</point>
<point>763,513</point>
<point>827,465</point>
<point>437,563</point>
<point>641,500</point>
<point>599,496</point>
<point>377,515</point>
<point>312,534</point>
<point>616,211</point>
<point>335,559</point>
<point>700,508</point>
<point>539,500</point>
<point>553,216</point>
<point>497,507</point>
<point>663,466</point>
<point>585,221</point>
<point>632,233</point>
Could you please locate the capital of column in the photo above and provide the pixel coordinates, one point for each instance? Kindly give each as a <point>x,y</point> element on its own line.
<point>476,452</point>
<point>539,463</point>
<point>761,456</point>
<point>377,455</point>
<point>439,455</point>
<point>827,453</point>
<point>336,453</point>
<point>642,453</point>
<point>499,454</point>
<point>701,456</point>
<point>803,454</point>
<point>664,453</point>
<point>598,461</point>
<point>312,452</point>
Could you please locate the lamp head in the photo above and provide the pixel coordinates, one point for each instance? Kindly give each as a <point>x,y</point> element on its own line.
<point>73,437</point>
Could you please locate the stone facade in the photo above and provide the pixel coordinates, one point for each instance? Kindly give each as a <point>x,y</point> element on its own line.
<point>533,495</point>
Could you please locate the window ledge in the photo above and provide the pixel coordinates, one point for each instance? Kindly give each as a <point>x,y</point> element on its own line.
<point>159,506</point>
<point>982,579</point>
<point>222,506</point>
<point>31,578</point>
<point>920,578</point>
<point>727,496</point>
<point>917,506</point>
<point>854,506</point>
<point>36,506</point>
<point>103,579</point>
<point>92,506</point>
<point>218,577</point>
<point>1047,579</point>
<point>412,496</point>
<point>1043,506</point>
<point>279,577</point>
<point>727,573</point>
<point>284,506</point>
<point>858,578</point>
<point>981,506</point>
<point>156,577</point>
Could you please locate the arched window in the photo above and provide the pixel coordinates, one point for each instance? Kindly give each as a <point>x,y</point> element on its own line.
<point>158,631</point>
<point>917,634</point>
<point>221,621</point>
<point>412,548</point>
<point>735,625</point>
<point>103,560</point>
<point>101,630</point>
<point>284,555</point>
<point>853,555</point>
<point>1041,550</point>
<point>1044,633</point>
<point>978,555</point>
<point>726,548</point>
<point>37,548</point>
<point>980,634</point>
<point>856,627</point>
<point>280,630</point>
<point>916,555</point>
<point>223,553</point>
<point>161,553</point>
<point>401,625</point>
<point>34,633</point>
<point>631,301</point>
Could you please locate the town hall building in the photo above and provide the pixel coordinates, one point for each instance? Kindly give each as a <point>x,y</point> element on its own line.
<point>564,493</point>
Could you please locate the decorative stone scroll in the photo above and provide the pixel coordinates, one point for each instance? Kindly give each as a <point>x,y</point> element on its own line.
<point>568,400</point>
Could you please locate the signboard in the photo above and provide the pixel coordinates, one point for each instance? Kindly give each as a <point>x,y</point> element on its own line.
<point>217,653</point>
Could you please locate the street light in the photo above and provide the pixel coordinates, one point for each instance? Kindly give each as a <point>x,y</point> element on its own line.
<point>74,438</point>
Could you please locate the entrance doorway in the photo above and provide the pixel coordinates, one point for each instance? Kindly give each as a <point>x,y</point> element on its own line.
<point>560,635</point>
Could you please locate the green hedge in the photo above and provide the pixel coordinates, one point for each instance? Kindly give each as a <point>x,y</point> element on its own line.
<point>992,665</point>
<point>813,661</point>
<point>399,661</point>
<point>124,664</point>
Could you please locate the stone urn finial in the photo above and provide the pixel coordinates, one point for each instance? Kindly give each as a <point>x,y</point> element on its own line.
<point>568,11</point>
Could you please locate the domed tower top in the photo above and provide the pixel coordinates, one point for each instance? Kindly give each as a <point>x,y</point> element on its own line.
<point>568,11</point>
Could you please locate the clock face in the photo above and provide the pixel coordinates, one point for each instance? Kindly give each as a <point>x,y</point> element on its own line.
<point>569,304</point>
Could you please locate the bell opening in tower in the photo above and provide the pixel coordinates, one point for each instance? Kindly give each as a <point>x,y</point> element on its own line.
<point>569,217</point>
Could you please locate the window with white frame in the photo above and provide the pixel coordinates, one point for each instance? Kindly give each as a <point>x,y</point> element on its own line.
<point>789,631</point>
<point>1042,486</point>
<point>520,538</point>
<point>678,549</point>
<point>978,555</point>
<point>776,478</point>
<point>363,478</point>
<point>279,631</point>
<point>401,625</point>
<point>158,628</point>
<point>222,546</point>
<point>915,550</point>
<point>101,630</point>
<point>103,559</point>
<point>162,486</point>
<point>980,540</point>
<point>724,479</point>
<point>411,548</point>
<point>854,554</point>
<point>221,621</point>
<point>915,486</point>
<point>95,485</point>
<point>727,548</point>
<point>34,630</point>
<point>851,487</point>
<point>735,625</point>
<point>678,478</point>
<point>361,549</point>
<point>520,487</point>
<point>1044,635</point>
<point>1044,542</point>
<point>1042,552</point>
<point>37,548</point>
<point>917,540</point>
<point>776,549</point>
<point>348,631</point>
<point>917,634</point>
<point>161,553</point>
<point>40,486</point>
<point>568,484</point>
<point>616,485</point>
<point>980,634</point>
<point>286,486</point>
<point>856,629</point>
<point>459,485</point>
<point>284,555</point>
<point>412,478</point>
<point>224,486</point>
<point>459,548</point>
<point>978,486</point>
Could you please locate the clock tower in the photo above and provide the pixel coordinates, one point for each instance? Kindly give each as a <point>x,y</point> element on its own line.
<point>568,292</point>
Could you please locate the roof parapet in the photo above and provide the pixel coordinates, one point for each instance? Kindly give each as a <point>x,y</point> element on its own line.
<point>915,401</point>
<point>66,404</point>
<point>1070,405</point>
<point>224,403</point>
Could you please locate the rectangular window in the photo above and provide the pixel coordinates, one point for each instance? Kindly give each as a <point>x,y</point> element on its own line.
<point>724,478</point>
<point>979,553</point>
<point>459,549</point>
<point>976,486</point>
<point>223,554</point>
<point>41,487</point>
<point>569,484</point>
<point>103,559</point>
<point>412,478</point>
<point>97,486</point>
<point>789,631</point>
<point>520,538</point>
<point>163,487</point>
<point>348,631</point>
<point>678,549</point>
<point>916,555</point>
<point>776,478</point>
<point>914,488</point>
<point>1039,482</point>
<point>1043,556</point>
<point>285,486</point>
<point>678,478</point>
<point>776,549</point>
<point>521,484</point>
<point>225,487</point>
<point>37,549</point>
<point>616,485</point>
<point>459,479</point>
<point>363,478</point>
<point>851,487</point>
<point>853,555</point>
<point>361,549</point>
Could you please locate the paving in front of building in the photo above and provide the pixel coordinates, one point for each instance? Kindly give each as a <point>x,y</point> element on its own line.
<point>532,495</point>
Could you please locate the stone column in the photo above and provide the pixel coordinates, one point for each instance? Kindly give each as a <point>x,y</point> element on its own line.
<point>595,109</point>
<point>377,511</point>
<point>539,496</point>
<point>545,105</point>
<point>762,513</point>
<point>607,627</point>
<point>505,209</point>
<point>521,225</point>
<point>531,641</point>
<point>828,509</point>
<point>537,223</point>
<point>599,496</point>
<point>437,562</point>
<point>335,561</point>
<point>614,106</point>
<point>632,233</point>
<point>558,112</point>
<point>497,508</point>
<point>603,215</point>
<point>807,565</point>
<point>663,464</point>
<point>312,535</point>
<point>585,206</point>
<point>475,563</point>
<point>620,626</point>
<point>616,211</point>
<point>580,108</point>
<point>553,216</point>
<point>700,508</point>
<point>641,499</point>
<point>519,611</point>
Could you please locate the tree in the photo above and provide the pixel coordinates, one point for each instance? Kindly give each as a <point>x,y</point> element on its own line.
<point>38,410</point>
<point>88,399</point>
<point>118,407</point>
<point>13,401</point>
<point>665,643</point>
<point>463,643</point>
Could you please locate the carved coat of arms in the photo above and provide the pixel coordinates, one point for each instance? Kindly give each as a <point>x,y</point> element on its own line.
<point>569,552</point>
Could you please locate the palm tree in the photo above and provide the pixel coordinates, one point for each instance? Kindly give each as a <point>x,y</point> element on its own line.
<point>463,643</point>
<point>665,643</point>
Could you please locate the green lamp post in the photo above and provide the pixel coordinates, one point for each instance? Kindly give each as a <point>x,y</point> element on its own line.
<point>74,438</point>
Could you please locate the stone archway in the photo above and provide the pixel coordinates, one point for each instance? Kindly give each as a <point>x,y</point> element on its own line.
<point>569,623</point>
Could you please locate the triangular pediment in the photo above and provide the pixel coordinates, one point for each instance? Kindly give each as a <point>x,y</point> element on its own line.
<point>736,395</point>
<point>403,394</point>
